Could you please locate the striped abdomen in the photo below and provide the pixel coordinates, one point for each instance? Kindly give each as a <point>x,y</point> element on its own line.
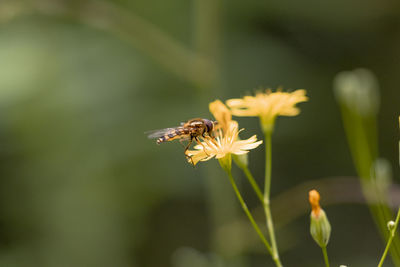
<point>173,134</point>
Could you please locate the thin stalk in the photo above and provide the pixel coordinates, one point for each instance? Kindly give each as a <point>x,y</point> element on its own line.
<point>392,232</point>
<point>246,210</point>
<point>325,252</point>
<point>267,187</point>
<point>268,164</point>
<point>254,184</point>
<point>364,153</point>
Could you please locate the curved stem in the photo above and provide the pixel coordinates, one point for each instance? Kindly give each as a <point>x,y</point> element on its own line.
<point>267,187</point>
<point>246,210</point>
<point>392,232</point>
<point>325,252</point>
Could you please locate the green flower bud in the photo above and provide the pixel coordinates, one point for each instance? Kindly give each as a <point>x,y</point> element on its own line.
<point>391,225</point>
<point>320,228</point>
<point>358,90</point>
<point>381,170</point>
<point>241,160</point>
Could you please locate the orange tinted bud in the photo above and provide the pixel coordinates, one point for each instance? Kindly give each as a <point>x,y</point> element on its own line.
<point>313,197</point>
<point>320,227</point>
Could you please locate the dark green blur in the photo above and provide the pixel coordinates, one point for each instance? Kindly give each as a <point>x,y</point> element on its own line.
<point>81,81</point>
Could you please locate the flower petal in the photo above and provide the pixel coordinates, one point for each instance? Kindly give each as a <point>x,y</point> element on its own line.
<point>221,113</point>
<point>268,104</point>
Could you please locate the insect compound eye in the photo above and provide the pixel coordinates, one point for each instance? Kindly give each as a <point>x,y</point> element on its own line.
<point>209,125</point>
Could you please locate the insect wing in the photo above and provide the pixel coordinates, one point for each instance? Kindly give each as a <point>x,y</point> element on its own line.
<point>158,133</point>
<point>196,123</point>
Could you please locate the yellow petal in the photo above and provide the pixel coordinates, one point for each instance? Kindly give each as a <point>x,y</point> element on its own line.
<point>268,105</point>
<point>221,113</point>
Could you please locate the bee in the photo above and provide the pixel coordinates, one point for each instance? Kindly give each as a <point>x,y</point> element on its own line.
<point>190,130</point>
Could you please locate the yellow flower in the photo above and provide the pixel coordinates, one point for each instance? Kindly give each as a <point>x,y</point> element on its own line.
<point>224,144</point>
<point>221,113</point>
<point>268,105</point>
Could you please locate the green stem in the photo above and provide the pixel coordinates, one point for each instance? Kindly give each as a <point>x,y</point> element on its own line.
<point>325,252</point>
<point>392,232</point>
<point>254,184</point>
<point>364,153</point>
<point>267,187</point>
<point>268,164</point>
<point>271,231</point>
<point>246,210</point>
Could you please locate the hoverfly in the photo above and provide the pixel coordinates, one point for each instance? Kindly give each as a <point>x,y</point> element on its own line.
<point>190,130</point>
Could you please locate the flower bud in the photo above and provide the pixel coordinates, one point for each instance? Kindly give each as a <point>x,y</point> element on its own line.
<point>391,225</point>
<point>381,171</point>
<point>358,90</point>
<point>241,160</point>
<point>320,227</point>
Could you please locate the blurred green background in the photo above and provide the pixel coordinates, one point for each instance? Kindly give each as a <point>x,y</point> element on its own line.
<point>81,81</point>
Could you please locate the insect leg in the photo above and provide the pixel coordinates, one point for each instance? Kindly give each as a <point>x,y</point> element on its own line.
<point>186,149</point>
<point>181,142</point>
<point>200,143</point>
<point>207,136</point>
<point>191,160</point>
<point>188,145</point>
